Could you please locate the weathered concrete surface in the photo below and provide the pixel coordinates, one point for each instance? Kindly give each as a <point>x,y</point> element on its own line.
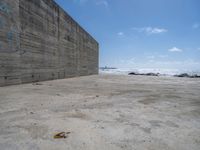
<point>39,41</point>
<point>102,113</point>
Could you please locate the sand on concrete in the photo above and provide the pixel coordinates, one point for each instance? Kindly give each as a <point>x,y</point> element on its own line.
<point>102,112</point>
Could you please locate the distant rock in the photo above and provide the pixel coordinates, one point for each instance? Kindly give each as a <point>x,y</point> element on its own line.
<point>152,74</point>
<point>144,74</point>
<point>133,73</point>
<point>107,68</point>
<point>187,75</point>
<point>195,76</point>
<point>183,75</point>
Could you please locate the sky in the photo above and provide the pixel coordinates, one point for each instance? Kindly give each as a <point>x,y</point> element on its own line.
<point>142,33</point>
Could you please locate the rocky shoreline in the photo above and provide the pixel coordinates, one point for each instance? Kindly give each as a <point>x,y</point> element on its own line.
<point>144,74</point>
<point>186,75</point>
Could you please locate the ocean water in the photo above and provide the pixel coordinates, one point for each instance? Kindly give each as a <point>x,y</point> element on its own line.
<point>162,72</point>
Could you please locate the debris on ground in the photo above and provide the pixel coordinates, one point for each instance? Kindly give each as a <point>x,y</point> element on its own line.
<point>61,135</point>
<point>37,83</point>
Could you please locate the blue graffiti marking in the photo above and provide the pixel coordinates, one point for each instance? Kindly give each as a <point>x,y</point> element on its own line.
<point>5,8</point>
<point>10,38</point>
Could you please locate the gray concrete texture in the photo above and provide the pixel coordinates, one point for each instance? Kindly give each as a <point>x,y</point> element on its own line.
<point>105,112</point>
<point>40,41</point>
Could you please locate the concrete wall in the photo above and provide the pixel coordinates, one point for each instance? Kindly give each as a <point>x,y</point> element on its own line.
<point>40,41</point>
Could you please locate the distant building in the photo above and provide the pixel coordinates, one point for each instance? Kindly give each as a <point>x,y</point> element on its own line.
<point>40,41</point>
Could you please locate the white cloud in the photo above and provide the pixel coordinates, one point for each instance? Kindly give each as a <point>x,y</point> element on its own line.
<point>196,25</point>
<point>175,49</point>
<point>102,2</point>
<point>151,30</point>
<point>168,66</point>
<point>178,64</point>
<point>120,33</point>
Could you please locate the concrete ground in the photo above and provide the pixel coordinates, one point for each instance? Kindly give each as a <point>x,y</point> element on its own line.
<point>105,112</point>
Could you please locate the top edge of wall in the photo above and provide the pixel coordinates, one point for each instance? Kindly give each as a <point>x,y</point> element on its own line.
<point>55,3</point>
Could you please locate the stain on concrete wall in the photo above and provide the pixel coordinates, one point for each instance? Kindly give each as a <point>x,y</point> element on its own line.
<point>40,41</point>
<point>2,22</point>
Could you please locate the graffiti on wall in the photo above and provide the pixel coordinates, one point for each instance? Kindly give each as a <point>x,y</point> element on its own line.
<point>13,41</point>
<point>13,38</point>
<point>11,35</point>
<point>5,8</point>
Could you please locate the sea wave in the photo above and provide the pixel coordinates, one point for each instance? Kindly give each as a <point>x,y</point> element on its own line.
<point>162,72</point>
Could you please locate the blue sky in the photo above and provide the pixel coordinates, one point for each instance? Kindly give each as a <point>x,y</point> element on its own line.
<point>142,33</point>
